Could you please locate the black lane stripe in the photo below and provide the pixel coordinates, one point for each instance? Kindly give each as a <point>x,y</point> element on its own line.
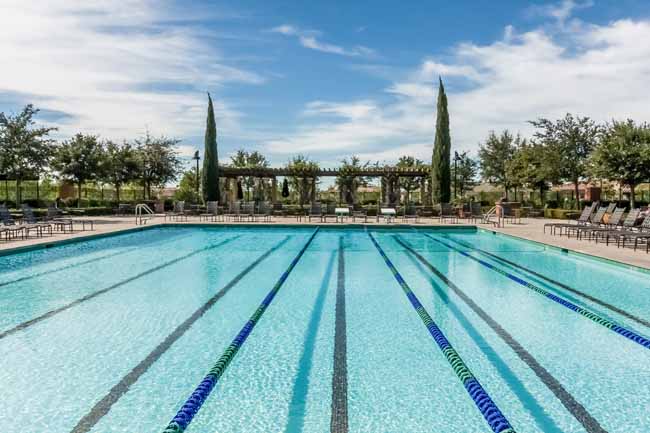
<point>103,406</point>
<point>74,265</point>
<point>566,287</point>
<point>568,401</point>
<point>90,296</point>
<point>339,420</point>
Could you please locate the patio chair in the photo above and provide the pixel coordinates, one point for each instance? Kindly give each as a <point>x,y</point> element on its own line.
<point>278,210</point>
<point>212,212</point>
<point>613,222</point>
<point>10,224</point>
<point>330,212</point>
<point>583,219</point>
<point>178,213</point>
<point>447,212</point>
<point>596,221</point>
<point>248,211</point>
<point>628,225</point>
<point>476,212</point>
<point>264,210</point>
<point>58,221</point>
<point>30,218</point>
<point>234,211</point>
<point>359,211</point>
<point>316,211</point>
<point>410,213</point>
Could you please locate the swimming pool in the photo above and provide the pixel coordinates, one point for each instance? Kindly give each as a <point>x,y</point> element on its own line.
<point>305,329</point>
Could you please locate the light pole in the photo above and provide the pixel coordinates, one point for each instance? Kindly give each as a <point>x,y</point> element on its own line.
<point>197,158</point>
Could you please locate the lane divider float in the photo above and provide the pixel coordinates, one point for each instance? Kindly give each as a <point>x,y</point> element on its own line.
<point>193,404</point>
<point>609,324</point>
<point>490,411</point>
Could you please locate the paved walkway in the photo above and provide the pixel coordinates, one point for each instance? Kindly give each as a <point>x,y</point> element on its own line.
<point>531,229</point>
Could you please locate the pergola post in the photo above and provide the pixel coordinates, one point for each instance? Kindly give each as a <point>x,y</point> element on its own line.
<point>274,190</point>
<point>233,189</point>
<point>313,189</point>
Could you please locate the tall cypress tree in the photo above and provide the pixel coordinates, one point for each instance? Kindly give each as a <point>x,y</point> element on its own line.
<point>210,178</point>
<point>441,161</point>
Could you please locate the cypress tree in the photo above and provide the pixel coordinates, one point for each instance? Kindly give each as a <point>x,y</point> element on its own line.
<point>441,161</point>
<point>210,178</point>
<point>285,188</point>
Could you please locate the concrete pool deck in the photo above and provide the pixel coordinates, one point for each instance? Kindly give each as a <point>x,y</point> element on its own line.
<point>530,229</point>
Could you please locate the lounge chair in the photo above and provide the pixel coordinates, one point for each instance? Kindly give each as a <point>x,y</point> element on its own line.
<point>628,225</point>
<point>57,219</point>
<point>316,211</point>
<point>582,220</point>
<point>178,213</point>
<point>30,218</point>
<point>278,210</point>
<point>212,212</point>
<point>248,211</point>
<point>643,232</point>
<point>410,213</point>
<point>613,222</point>
<point>11,225</point>
<point>596,221</point>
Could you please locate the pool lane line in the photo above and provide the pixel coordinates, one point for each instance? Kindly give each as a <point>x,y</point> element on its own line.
<point>491,413</point>
<point>564,286</point>
<point>74,265</point>
<point>627,333</point>
<point>339,418</point>
<point>574,407</point>
<point>193,404</point>
<point>103,406</point>
<point>298,402</point>
<point>90,296</point>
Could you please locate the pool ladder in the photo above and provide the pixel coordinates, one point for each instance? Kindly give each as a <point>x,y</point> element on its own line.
<point>493,212</point>
<point>143,213</point>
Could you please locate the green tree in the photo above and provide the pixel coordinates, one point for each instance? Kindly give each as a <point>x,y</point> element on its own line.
<point>79,160</point>
<point>305,170</point>
<point>534,166</point>
<point>119,165</point>
<point>348,181</point>
<point>572,139</point>
<point>409,184</point>
<point>25,149</point>
<point>623,154</point>
<point>158,161</point>
<point>187,187</point>
<point>495,155</point>
<point>210,158</point>
<point>285,188</point>
<point>440,163</point>
<point>464,173</point>
<point>244,159</point>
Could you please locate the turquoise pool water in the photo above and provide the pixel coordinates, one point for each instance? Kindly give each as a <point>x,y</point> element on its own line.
<point>283,329</point>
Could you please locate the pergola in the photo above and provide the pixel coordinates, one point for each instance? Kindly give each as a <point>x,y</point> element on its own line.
<point>389,175</point>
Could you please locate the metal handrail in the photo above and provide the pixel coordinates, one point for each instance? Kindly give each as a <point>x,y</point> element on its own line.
<point>139,218</point>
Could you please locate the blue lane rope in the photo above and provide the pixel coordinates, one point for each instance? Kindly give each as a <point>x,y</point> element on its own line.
<point>492,414</point>
<point>609,324</point>
<point>193,404</point>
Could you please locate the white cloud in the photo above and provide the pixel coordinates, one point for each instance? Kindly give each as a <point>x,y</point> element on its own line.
<point>592,70</point>
<point>309,39</point>
<point>113,66</point>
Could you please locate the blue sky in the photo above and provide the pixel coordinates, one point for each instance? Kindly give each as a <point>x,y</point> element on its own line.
<point>324,78</point>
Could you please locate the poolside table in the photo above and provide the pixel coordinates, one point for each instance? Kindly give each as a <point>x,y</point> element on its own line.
<point>388,213</point>
<point>341,212</point>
